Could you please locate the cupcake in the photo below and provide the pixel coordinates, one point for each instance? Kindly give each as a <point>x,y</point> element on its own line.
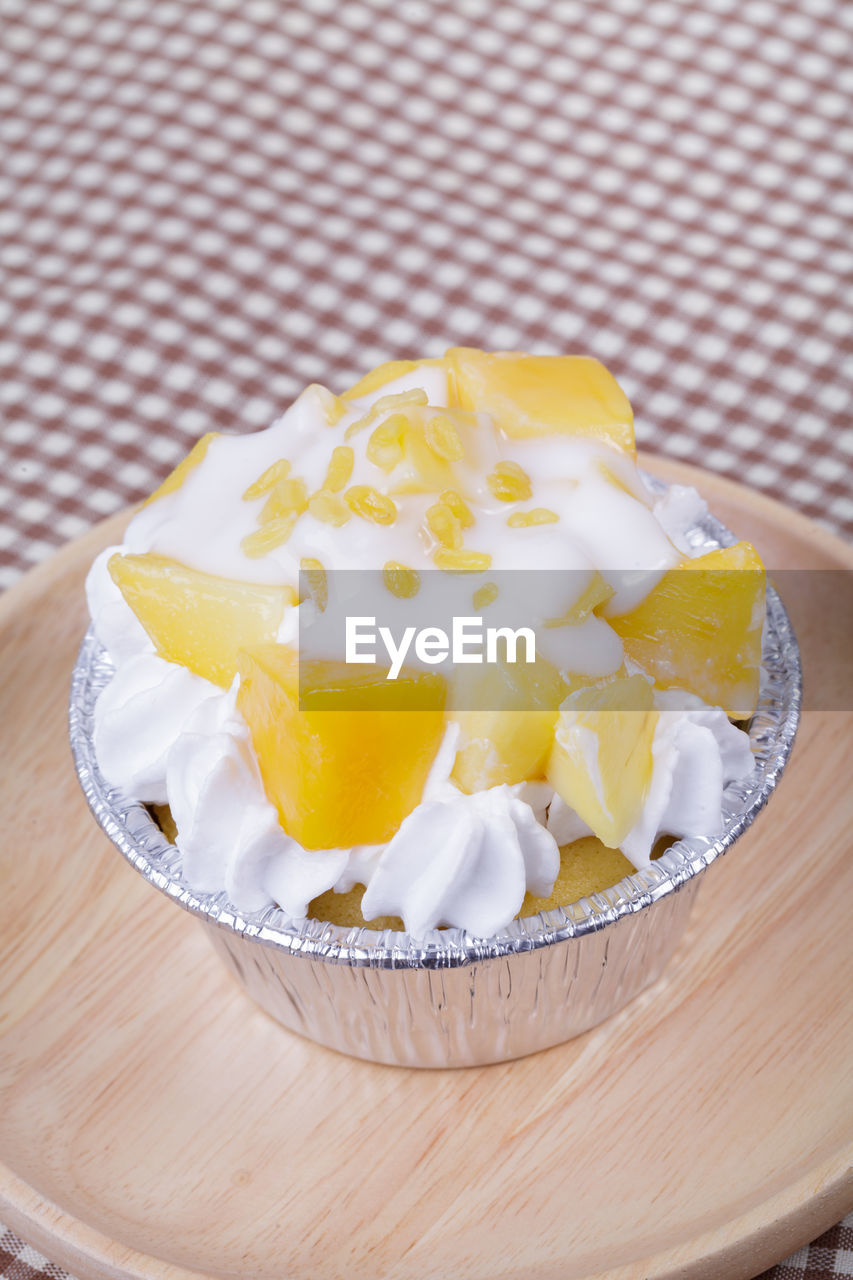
<point>430,656</point>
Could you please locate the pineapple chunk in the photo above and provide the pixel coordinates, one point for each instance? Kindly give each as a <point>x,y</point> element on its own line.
<point>544,395</point>
<point>176,478</point>
<point>385,373</point>
<point>198,619</point>
<point>601,759</point>
<point>344,758</point>
<point>509,739</point>
<point>700,628</point>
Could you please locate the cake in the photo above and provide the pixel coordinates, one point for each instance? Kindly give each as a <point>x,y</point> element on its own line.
<point>504,485</point>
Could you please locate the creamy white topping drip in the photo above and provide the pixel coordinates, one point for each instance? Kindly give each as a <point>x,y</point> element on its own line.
<point>163,733</point>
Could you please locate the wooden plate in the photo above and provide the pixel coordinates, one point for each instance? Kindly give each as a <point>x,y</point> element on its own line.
<point>153,1123</point>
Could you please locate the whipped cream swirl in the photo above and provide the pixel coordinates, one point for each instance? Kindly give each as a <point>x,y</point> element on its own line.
<point>163,734</point>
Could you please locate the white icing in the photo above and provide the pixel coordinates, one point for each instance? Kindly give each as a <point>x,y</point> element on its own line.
<point>116,625</point>
<point>465,861</point>
<point>139,716</point>
<point>599,525</point>
<point>696,753</point>
<point>563,823</point>
<point>229,834</point>
<point>162,733</point>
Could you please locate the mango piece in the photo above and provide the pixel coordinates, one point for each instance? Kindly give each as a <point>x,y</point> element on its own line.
<point>198,619</point>
<point>385,373</point>
<point>700,628</point>
<point>601,758</point>
<point>506,736</point>
<point>344,756</point>
<point>543,395</point>
<point>176,478</point>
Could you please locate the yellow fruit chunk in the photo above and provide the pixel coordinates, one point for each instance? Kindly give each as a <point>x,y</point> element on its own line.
<point>268,479</point>
<point>401,581</point>
<point>543,395</point>
<point>507,735</point>
<point>442,437</point>
<point>462,560</point>
<point>370,504</point>
<point>397,401</point>
<point>385,446</point>
<point>535,516</point>
<point>509,482</point>
<point>287,497</point>
<point>313,582</point>
<point>273,534</point>
<point>444,525</point>
<point>177,477</point>
<point>429,451</point>
<point>385,373</point>
<point>198,619</point>
<point>597,592</point>
<point>328,508</point>
<point>700,628</point>
<point>484,596</point>
<point>333,406</point>
<point>601,759</point>
<point>339,469</point>
<point>351,765</point>
<point>458,506</point>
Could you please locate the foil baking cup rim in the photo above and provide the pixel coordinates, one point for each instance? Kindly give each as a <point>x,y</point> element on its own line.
<point>136,834</point>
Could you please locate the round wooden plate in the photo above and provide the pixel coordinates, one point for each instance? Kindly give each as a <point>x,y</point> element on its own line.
<point>154,1123</point>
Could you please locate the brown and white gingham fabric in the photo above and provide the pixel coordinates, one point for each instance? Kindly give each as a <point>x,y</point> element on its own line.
<point>206,205</point>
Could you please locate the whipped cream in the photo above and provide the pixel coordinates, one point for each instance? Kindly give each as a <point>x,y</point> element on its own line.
<point>611,527</point>
<point>696,753</point>
<point>486,851</point>
<point>163,734</point>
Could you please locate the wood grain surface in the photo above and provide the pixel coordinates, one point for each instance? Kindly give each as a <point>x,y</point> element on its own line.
<point>153,1123</point>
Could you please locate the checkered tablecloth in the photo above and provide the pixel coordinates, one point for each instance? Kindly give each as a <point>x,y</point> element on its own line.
<point>204,206</point>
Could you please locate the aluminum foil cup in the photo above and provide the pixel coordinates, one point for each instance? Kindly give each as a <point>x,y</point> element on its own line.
<point>450,999</point>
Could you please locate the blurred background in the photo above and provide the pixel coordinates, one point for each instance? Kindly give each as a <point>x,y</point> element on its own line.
<point>206,205</point>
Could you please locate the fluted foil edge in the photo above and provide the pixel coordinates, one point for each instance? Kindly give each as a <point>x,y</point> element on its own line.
<point>454,999</point>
